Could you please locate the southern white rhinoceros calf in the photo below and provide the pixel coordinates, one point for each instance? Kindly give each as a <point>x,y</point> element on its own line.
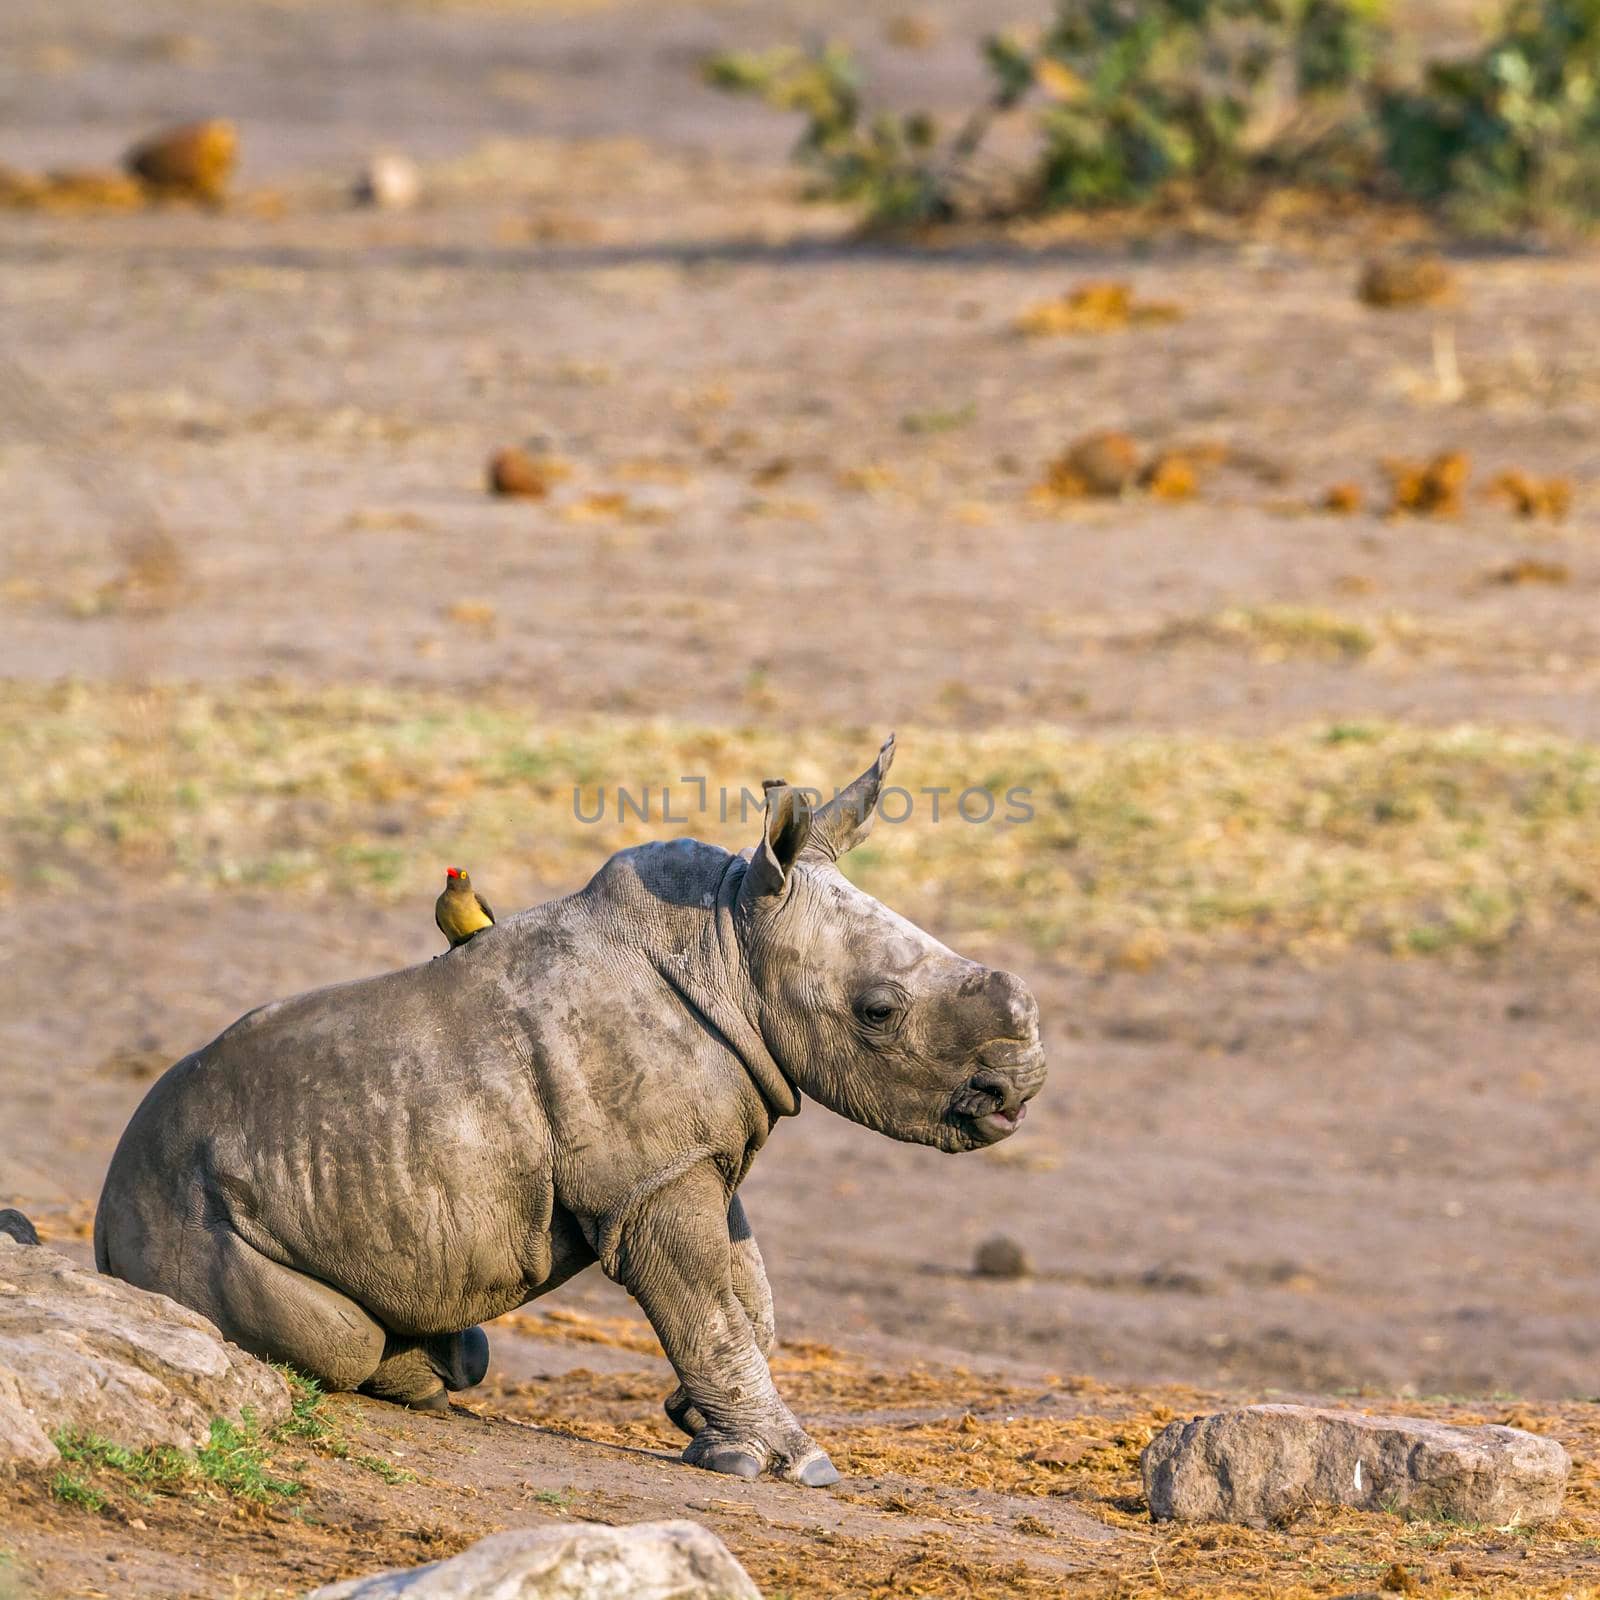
<point>351,1180</point>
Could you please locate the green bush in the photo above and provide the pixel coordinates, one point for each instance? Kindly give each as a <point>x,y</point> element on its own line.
<point>1136,93</point>
<point>899,167</point>
<point>1204,91</point>
<point>1220,96</point>
<point>1510,135</point>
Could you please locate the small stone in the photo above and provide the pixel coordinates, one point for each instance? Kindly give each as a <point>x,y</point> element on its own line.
<point>389,182</point>
<point>570,1561</point>
<point>1171,476</point>
<point>1529,496</point>
<point>1388,282</point>
<point>1343,499</point>
<point>514,472</point>
<point>1001,1257</point>
<point>18,1227</point>
<point>1429,488</point>
<point>191,162</point>
<point>1103,463</point>
<point>1259,1463</point>
<point>1066,1453</point>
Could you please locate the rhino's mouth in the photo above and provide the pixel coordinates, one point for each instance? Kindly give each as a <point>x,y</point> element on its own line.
<point>988,1108</point>
<point>992,1103</point>
<point>998,1125</point>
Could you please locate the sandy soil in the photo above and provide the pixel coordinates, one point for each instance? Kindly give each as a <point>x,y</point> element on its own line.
<point>1366,1177</point>
<point>944,1495</point>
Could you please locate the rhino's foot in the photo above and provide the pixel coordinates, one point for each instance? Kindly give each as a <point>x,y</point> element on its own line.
<point>797,1457</point>
<point>460,1359</point>
<point>436,1404</point>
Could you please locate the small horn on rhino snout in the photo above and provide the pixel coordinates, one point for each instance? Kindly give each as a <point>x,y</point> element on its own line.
<point>1014,999</point>
<point>1007,1055</point>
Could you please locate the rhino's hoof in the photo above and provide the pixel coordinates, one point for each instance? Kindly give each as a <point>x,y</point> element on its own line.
<point>731,1459</point>
<point>438,1403</point>
<point>818,1473</point>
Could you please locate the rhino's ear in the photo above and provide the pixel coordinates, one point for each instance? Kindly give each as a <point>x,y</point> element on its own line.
<point>847,818</point>
<point>788,826</point>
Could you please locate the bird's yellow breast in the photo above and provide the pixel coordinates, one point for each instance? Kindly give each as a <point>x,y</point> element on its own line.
<point>460,916</point>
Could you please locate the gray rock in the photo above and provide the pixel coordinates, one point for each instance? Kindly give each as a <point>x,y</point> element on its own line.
<point>390,183</point>
<point>1255,1464</point>
<point>571,1561</point>
<point>16,1226</point>
<point>90,1354</point>
<point>1001,1257</point>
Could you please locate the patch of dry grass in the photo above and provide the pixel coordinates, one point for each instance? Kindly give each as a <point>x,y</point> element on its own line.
<point>1290,632</point>
<point>1407,838</point>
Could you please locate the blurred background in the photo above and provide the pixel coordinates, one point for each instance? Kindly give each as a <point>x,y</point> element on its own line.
<point>414,411</point>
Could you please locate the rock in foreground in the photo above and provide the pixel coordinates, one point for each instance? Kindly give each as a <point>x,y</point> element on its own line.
<point>570,1561</point>
<point>1254,1465</point>
<point>94,1355</point>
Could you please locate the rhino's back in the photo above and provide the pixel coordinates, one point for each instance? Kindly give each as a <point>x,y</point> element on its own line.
<point>378,1135</point>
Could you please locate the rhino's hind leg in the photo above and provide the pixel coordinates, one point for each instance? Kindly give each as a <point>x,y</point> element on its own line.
<point>421,1373</point>
<point>283,1315</point>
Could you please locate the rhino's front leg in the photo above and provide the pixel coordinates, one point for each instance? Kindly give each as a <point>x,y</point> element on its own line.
<point>675,1256</point>
<point>753,1293</point>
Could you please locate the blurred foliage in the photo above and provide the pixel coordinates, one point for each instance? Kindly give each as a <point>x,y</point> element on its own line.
<point>1510,135</point>
<point>900,167</point>
<point>1143,94</point>
<point>1138,97</point>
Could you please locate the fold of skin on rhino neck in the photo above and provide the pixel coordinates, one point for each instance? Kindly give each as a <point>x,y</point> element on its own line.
<point>702,979</point>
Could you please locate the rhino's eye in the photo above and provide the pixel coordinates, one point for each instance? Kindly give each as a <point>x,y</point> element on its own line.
<point>879,1009</point>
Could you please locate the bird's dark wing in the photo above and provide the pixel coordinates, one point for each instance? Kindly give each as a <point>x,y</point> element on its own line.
<point>483,906</point>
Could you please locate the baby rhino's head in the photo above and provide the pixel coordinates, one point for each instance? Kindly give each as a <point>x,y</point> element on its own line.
<point>862,1009</point>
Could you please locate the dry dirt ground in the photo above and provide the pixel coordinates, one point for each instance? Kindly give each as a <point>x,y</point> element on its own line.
<point>799,493</point>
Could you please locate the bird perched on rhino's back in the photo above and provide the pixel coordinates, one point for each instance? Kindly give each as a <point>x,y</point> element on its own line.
<point>461,911</point>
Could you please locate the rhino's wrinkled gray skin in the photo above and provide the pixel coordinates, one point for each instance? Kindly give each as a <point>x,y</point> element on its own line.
<point>351,1180</point>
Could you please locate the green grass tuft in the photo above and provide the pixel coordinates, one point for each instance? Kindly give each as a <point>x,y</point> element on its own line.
<point>234,1460</point>
<point>387,1470</point>
<point>307,1416</point>
<point>72,1490</point>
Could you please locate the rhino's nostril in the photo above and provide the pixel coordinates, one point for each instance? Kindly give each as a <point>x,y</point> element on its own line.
<point>999,1088</point>
<point>985,1092</point>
